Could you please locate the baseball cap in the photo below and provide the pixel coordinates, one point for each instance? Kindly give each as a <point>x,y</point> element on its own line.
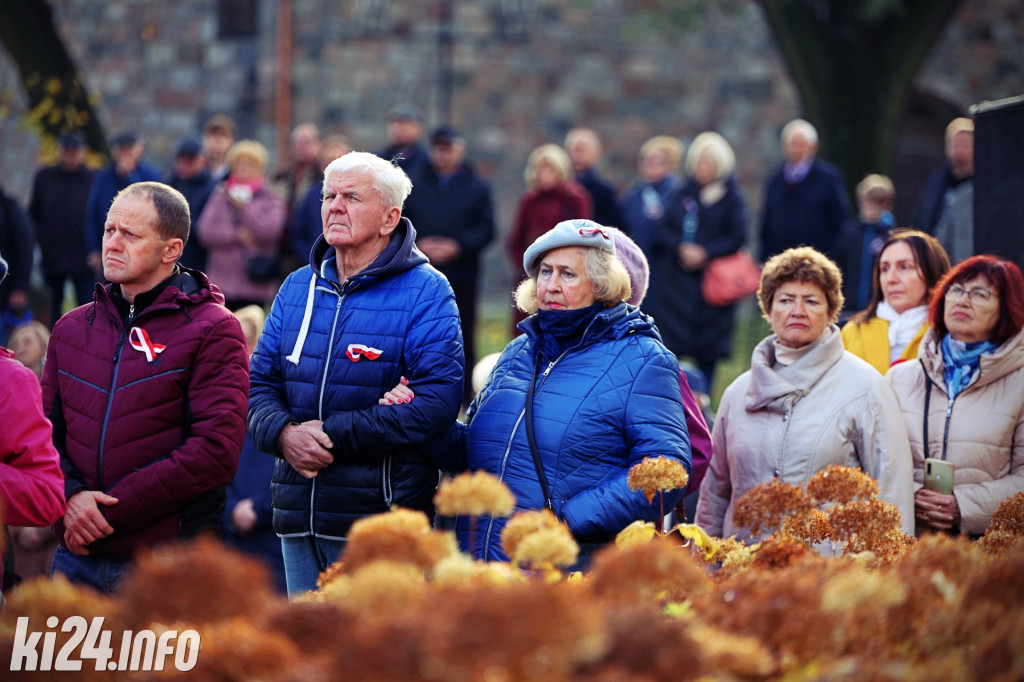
<point>74,139</point>
<point>125,138</point>
<point>405,112</point>
<point>445,135</point>
<point>190,147</point>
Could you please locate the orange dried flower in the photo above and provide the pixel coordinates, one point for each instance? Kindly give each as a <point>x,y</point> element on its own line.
<point>841,484</point>
<point>765,505</point>
<point>657,474</point>
<point>475,493</point>
<point>867,525</point>
<point>810,525</point>
<point>546,546</point>
<point>401,535</point>
<point>522,524</point>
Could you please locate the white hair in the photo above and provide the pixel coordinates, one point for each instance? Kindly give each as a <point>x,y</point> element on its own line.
<point>717,148</point>
<point>392,184</point>
<point>798,125</point>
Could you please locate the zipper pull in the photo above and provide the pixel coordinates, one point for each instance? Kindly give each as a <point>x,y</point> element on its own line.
<point>550,365</point>
<point>131,313</point>
<point>949,408</point>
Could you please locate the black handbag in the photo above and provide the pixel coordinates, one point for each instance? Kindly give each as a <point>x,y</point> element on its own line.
<point>261,269</point>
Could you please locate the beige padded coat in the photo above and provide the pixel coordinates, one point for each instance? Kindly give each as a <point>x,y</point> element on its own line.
<point>986,425</point>
<point>828,407</point>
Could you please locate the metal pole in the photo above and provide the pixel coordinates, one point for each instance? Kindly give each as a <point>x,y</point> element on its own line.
<point>283,84</point>
<point>445,53</point>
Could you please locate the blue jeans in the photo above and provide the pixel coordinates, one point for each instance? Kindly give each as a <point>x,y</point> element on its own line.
<point>305,557</point>
<point>101,572</point>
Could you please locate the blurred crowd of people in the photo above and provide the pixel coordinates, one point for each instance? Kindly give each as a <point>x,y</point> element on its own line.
<point>336,238</point>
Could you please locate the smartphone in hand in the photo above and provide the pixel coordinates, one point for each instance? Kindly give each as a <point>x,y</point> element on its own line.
<point>938,475</point>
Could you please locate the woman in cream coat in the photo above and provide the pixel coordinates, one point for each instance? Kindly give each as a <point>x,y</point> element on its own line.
<point>971,378</point>
<point>805,403</point>
<point>890,329</point>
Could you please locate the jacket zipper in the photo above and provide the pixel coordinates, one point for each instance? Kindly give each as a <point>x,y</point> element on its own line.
<point>110,407</point>
<point>511,437</point>
<point>501,477</point>
<point>320,408</point>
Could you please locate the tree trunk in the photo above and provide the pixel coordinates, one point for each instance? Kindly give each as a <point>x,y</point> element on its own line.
<point>58,102</point>
<point>854,73</point>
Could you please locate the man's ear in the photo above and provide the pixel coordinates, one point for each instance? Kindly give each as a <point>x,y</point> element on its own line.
<point>391,218</point>
<point>172,250</point>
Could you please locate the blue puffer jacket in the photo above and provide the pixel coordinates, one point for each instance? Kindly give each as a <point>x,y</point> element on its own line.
<point>602,407</point>
<point>329,351</point>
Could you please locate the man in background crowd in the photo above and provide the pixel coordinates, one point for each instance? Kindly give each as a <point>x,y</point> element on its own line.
<point>192,178</point>
<point>804,202</point>
<point>60,197</point>
<point>945,208</point>
<point>127,168</point>
<point>453,212</point>
<point>584,149</point>
<point>218,136</point>
<point>16,245</point>
<point>405,132</point>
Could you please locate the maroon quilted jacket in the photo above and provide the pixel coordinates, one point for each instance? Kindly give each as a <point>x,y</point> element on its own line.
<point>160,429</point>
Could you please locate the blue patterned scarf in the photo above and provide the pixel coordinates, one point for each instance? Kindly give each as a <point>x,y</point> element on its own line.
<point>961,362</point>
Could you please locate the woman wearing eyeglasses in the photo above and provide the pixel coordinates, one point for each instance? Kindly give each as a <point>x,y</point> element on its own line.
<point>963,401</point>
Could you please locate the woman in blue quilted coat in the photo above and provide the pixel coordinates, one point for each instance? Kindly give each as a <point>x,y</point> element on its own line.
<point>593,379</point>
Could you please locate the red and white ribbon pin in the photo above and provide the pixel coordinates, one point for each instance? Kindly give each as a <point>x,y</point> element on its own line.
<point>358,350</point>
<point>140,341</point>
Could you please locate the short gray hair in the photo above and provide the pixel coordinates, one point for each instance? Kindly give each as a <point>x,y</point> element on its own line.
<point>392,184</point>
<point>798,125</point>
<point>173,218</point>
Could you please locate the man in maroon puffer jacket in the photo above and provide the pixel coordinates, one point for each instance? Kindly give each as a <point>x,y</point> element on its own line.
<point>147,388</point>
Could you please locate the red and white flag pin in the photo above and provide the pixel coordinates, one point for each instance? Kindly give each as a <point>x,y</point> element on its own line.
<point>140,341</point>
<point>358,350</point>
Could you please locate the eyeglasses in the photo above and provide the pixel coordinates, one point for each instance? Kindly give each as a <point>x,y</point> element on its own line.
<point>976,295</point>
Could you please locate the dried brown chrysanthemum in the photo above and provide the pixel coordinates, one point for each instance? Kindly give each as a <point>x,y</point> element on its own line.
<point>224,582</point>
<point>475,493</point>
<point>765,505</point>
<point>841,484</point>
<point>1006,528</point>
<point>401,535</point>
<point>781,549</point>
<point>657,572</point>
<point>810,526</point>
<point>867,525</point>
<point>547,546</point>
<point>376,588</point>
<point>657,474</point>
<point>522,524</point>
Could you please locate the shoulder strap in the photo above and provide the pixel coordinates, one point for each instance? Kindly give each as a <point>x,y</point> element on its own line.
<point>533,443</point>
<point>927,404</point>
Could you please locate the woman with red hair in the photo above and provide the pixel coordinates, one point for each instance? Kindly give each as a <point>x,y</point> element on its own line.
<point>963,401</point>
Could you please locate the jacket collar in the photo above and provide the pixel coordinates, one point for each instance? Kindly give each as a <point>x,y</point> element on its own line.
<point>994,366</point>
<point>778,389</point>
<point>399,255</point>
<point>615,322</point>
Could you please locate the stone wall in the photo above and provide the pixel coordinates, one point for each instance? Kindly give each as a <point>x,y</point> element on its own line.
<point>160,68</point>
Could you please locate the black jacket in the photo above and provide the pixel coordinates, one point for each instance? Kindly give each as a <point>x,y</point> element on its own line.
<point>459,207</point>
<point>16,246</point>
<point>57,207</point>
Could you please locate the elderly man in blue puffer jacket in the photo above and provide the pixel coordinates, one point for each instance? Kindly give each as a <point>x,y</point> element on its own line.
<point>367,311</point>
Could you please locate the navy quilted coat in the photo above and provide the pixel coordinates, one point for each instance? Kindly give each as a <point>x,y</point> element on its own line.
<point>329,351</point>
<point>600,408</point>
